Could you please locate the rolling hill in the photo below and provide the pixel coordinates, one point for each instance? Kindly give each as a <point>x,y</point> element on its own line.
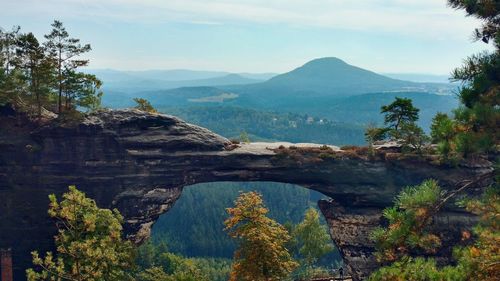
<point>332,76</point>
<point>153,80</point>
<point>326,87</point>
<point>318,79</point>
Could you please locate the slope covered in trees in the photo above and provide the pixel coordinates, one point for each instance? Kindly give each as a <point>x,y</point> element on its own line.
<point>262,125</point>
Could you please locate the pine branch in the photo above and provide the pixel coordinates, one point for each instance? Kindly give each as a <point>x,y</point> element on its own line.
<point>458,190</point>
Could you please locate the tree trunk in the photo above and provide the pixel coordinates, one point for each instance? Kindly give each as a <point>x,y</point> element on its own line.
<point>59,66</point>
<point>36,91</point>
<point>66,104</point>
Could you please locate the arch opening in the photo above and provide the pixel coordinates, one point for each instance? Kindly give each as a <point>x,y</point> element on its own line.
<point>193,227</point>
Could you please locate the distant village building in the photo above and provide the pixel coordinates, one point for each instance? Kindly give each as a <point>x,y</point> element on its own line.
<point>292,124</point>
<point>310,120</point>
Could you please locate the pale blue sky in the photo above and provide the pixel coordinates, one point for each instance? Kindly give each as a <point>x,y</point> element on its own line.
<point>408,36</point>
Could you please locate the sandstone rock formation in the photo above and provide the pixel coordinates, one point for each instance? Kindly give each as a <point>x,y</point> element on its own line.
<point>139,163</point>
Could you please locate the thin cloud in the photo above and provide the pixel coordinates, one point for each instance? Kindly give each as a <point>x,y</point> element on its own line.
<point>256,35</point>
<point>412,17</point>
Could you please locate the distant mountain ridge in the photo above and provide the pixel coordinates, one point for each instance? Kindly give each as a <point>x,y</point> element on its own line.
<point>134,81</point>
<point>328,76</point>
<point>315,87</point>
<point>333,76</point>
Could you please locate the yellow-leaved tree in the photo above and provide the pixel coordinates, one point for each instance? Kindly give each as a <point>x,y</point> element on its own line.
<point>89,243</point>
<point>261,253</point>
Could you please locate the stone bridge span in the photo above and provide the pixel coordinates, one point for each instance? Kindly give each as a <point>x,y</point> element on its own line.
<point>139,163</point>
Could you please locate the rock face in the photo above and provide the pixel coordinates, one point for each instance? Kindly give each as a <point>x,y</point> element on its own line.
<point>139,163</point>
<point>350,228</point>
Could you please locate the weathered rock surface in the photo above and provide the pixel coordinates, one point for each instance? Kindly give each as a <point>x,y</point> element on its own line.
<point>139,163</point>
<point>350,228</point>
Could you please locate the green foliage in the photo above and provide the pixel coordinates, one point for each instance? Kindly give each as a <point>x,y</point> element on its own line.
<point>8,78</point>
<point>89,243</point>
<point>484,10</point>
<point>180,268</point>
<point>81,90</point>
<point>312,238</point>
<point>36,68</point>
<point>455,137</point>
<point>244,137</point>
<point>408,221</point>
<point>373,134</point>
<point>400,119</point>
<point>261,254</point>
<point>412,138</point>
<point>37,76</point>
<point>64,51</point>
<point>155,262</point>
<point>214,269</point>
<point>476,121</point>
<point>144,105</point>
<point>269,126</point>
<point>185,271</point>
<point>194,225</point>
<point>479,261</point>
<point>443,134</point>
<point>425,195</point>
<point>398,112</point>
<point>418,269</point>
<point>148,254</point>
<point>154,274</point>
<point>173,268</point>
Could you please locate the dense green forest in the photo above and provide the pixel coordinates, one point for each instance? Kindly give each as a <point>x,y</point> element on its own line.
<point>358,110</point>
<point>194,226</point>
<point>262,125</point>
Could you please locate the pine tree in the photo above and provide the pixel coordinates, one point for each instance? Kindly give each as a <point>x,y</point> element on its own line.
<point>400,120</point>
<point>398,112</point>
<point>481,260</point>
<point>11,82</point>
<point>81,90</point>
<point>8,44</point>
<point>408,223</point>
<point>64,50</point>
<point>144,105</point>
<point>36,66</point>
<point>476,121</point>
<point>261,253</point>
<point>412,138</point>
<point>443,134</point>
<point>408,230</point>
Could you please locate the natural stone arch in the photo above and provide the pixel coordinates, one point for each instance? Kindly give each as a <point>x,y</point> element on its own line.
<point>139,163</point>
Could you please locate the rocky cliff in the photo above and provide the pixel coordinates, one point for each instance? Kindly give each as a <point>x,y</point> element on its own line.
<point>139,163</point>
